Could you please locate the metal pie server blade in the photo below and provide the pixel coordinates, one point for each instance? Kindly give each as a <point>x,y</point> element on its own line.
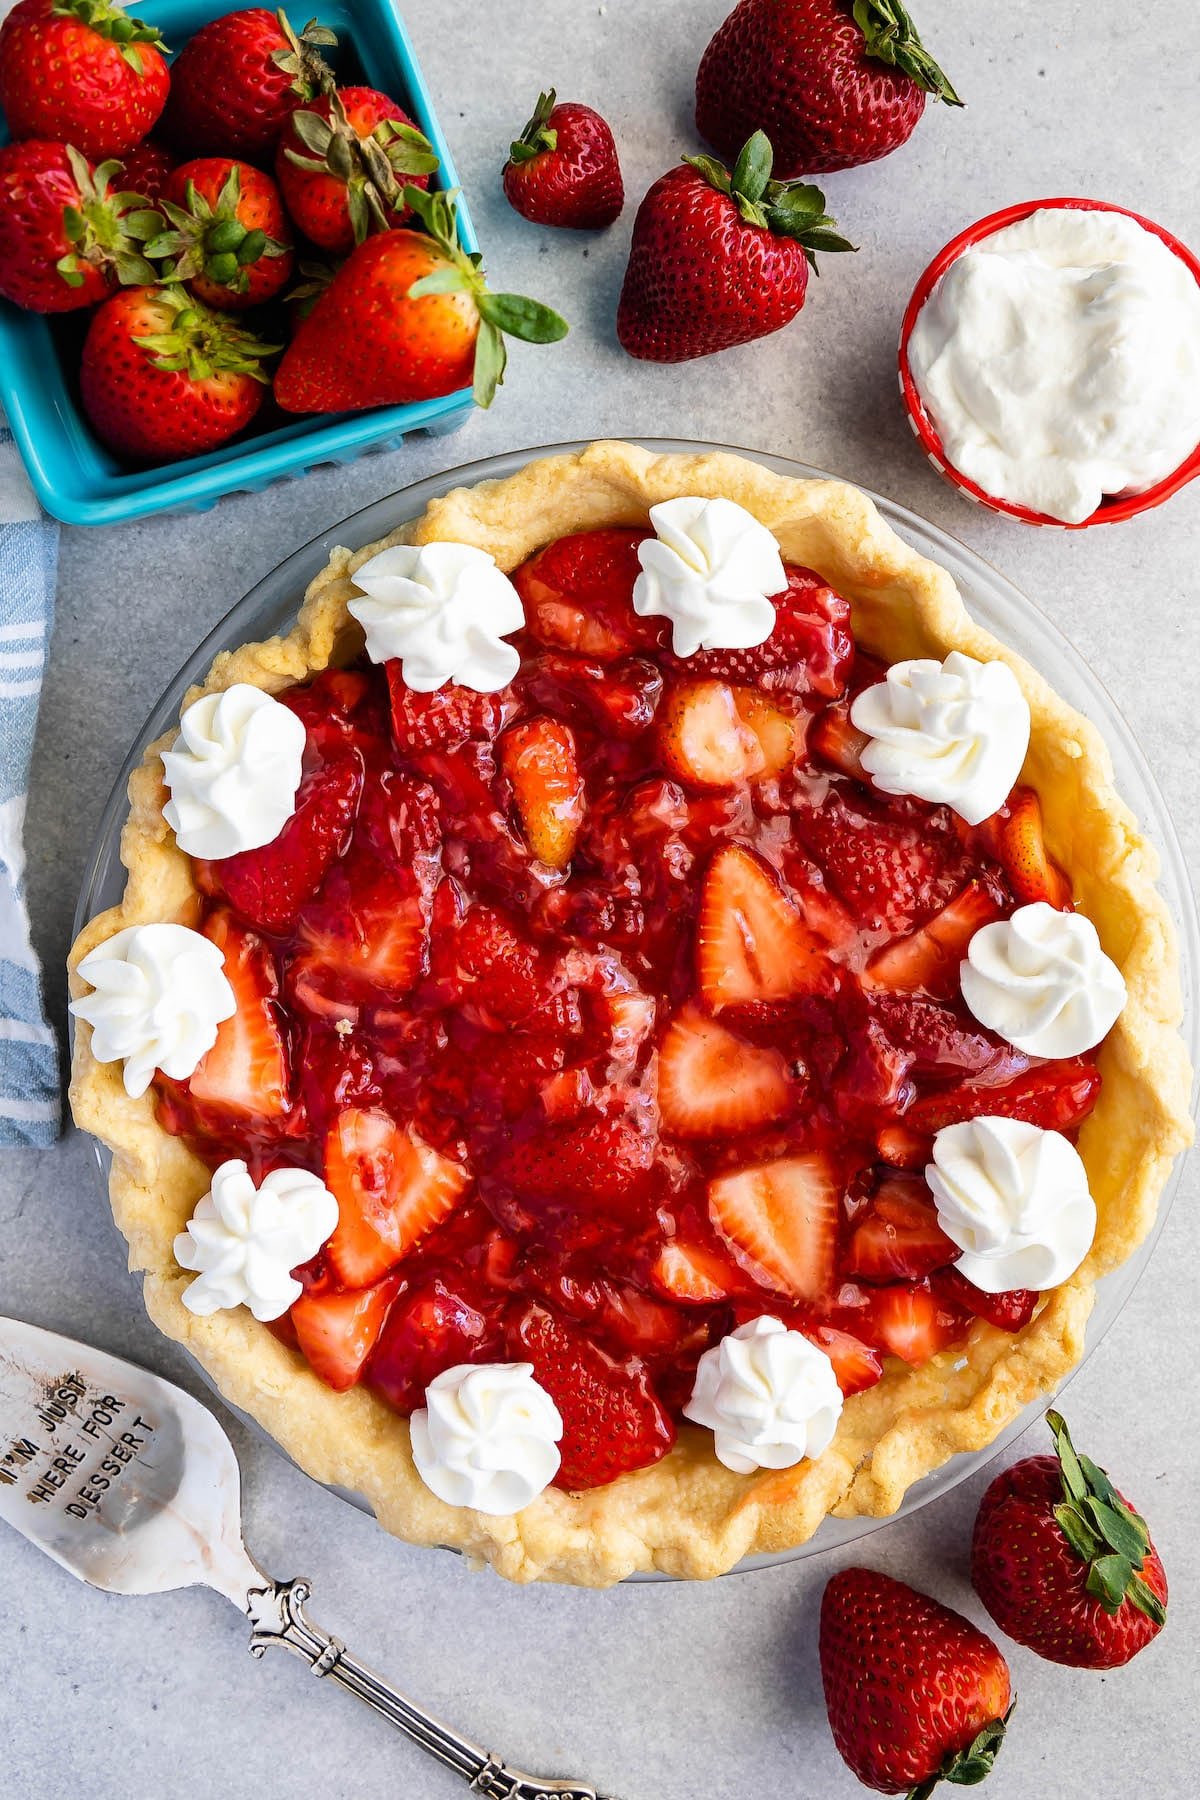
<point>133,1486</point>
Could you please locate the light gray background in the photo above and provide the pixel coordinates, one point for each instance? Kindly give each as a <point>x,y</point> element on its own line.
<point>669,1691</point>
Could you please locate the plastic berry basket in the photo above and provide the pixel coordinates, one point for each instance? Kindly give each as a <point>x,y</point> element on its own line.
<point>1113,509</point>
<point>81,482</point>
<point>272,605</point>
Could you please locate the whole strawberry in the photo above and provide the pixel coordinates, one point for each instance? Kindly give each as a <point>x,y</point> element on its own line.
<point>563,169</point>
<point>83,72</point>
<point>832,84</point>
<point>915,1694</point>
<point>162,377</point>
<point>145,168</point>
<point>719,259</point>
<point>342,164</point>
<point>407,317</point>
<point>1063,1563</point>
<point>236,80</point>
<point>228,236</point>
<point>65,240</point>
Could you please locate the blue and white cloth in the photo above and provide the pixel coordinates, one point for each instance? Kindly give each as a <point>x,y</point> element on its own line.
<point>29,1081</point>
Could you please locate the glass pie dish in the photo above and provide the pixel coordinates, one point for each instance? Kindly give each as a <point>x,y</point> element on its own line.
<point>271,608</point>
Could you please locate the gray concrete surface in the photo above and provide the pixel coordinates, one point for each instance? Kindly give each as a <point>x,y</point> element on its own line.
<point>665,1691</point>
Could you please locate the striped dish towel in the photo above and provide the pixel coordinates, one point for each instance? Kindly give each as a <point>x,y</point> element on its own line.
<point>29,1091</point>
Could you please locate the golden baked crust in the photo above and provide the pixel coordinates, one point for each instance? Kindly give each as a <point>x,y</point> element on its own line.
<point>687,1515</point>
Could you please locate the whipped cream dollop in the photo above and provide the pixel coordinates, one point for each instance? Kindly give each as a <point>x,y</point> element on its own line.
<point>954,733</point>
<point>711,569</point>
<point>1042,981</point>
<point>768,1395</point>
<point>1015,1200</point>
<point>159,994</point>
<point>487,1437</point>
<point>1059,360</point>
<point>443,612</point>
<point>244,1241</point>
<point>234,772</point>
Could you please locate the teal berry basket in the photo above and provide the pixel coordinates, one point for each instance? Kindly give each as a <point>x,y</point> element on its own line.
<point>81,482</point>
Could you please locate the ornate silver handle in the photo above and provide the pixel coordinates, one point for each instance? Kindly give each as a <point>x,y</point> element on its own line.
<point>278,1618</point>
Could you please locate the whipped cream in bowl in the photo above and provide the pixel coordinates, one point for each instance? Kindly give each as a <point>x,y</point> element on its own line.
<point>1050,363</point>
<point>443,611</point>
<point>769,1396</point>
<point>1015,1199</point>
<point>712,569</point>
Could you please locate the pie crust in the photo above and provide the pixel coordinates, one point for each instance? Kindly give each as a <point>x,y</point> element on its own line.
<point>686,1515</point>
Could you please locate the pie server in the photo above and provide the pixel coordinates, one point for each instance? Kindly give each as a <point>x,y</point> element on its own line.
<point>132,1485</point>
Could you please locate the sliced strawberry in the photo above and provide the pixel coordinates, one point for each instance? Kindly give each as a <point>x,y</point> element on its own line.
<point>928,960</point>
<point>780,1220</point>
<point>941,1044</point>
<point>1056,1096</point>
<point>539,758</point>
<point>902,1148</point>
<point>703,737</point>
<point>488,965</point>
<point>780,733</point>
<point>338,1331</point>
<point>600,1162</point>
<point>711,1083</point>
<point>578,595</point>
<point>613,1421</point>
<point>246,1071</point>
<point>856,1365</point>
<point>809,651</point>
<point>1022,850</point>
<point>269,885</point>
<point>899,1238</point>
<point>913,1324</point>
<point>890,871</point>
<point>835,740</point>
<point>400,820</point>
<point>696,1274</point>
<point>337,708</point>
<point>438,1324</point>
<point>364,938</point>
<point>620,699</point>
<point>751,942</point>
<point>1010,1311</point>
<point>449,716</point>
<point>390,1188</point>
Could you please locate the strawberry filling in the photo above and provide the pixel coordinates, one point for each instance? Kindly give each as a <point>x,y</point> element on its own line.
<point>616,1009</point>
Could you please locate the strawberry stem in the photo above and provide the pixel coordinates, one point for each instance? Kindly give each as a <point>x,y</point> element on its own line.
<point>1103,1531</point>
<point>302,59</point>
<point>201,341</point>
<point>892,38</point>
<point>210,239</point>
<point>967,1768</point>
<point>794,209</point>
<point>537,134</point>
<point>106,230</point>
<point>499,314</point>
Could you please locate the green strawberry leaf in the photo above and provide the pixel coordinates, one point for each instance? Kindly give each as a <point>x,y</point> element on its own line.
<point>442,281</point>
<point>752,170</point>
<point>892,38</point>
<point>490,360</point>
<point>522,318</point>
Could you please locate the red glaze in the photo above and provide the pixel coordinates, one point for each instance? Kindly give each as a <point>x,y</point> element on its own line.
<point>520,1020</point>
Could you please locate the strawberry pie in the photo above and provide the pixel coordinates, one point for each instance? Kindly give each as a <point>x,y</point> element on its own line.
<point>636,1026</point>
